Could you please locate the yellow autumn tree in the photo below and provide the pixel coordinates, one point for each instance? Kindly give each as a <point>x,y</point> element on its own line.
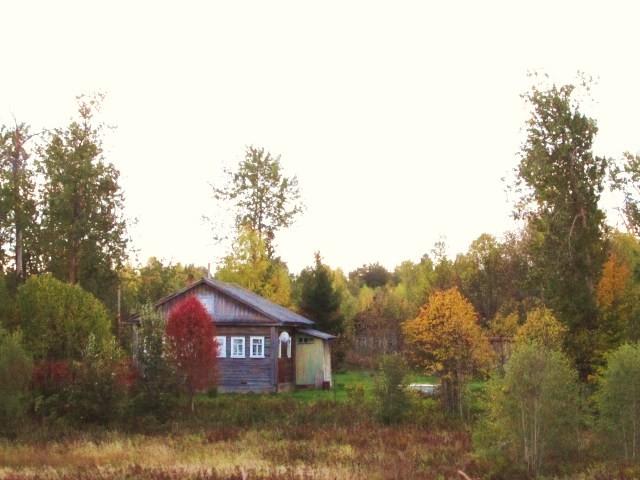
<point>249,266</point>
<point>614,282</point>
<point>543,329</point>
<point>615,302</point>
<point>445,339</point>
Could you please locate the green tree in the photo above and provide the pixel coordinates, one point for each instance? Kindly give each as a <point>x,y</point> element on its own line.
<point>264,199</point>
<point>83,228</point>
<point>373,275</point>
<point>57,318</point>
<point>392,400</point>
<point>619,402</point>
<point>157,386</point>
<point>533,411</point>
<point>415,282</point>
<point>7,305</point>
<point>250,266</point>
<point>156,279</point>
<point>543,329</point>
<point>98,392</point>
<point>319,300</point>
<point>17,198</point>
<point>15,375</point>
<point>626,178</point>
<point>560,181</point>
<point>481,276</point>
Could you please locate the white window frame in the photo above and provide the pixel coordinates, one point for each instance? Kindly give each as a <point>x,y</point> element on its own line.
<point>261,354</point>
<point>233,354</point>
<point>221,340</point>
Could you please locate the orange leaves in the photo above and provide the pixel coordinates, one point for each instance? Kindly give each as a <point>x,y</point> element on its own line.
<point>613,282</point>
<point>445,338</point>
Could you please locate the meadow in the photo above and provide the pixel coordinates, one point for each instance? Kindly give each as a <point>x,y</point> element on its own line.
<point>303,434</point>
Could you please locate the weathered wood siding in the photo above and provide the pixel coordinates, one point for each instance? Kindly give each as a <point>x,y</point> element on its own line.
<point>246,374</point>
<point>221,307</point>
<point>313,362</point>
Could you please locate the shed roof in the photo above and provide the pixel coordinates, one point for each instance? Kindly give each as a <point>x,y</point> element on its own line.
<point>317,333</point>
<point>266,307</point>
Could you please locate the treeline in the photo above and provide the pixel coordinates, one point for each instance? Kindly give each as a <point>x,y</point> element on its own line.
<point>62,212</point>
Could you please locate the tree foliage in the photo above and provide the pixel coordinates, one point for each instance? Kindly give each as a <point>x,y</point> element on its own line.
<point>156,384</point>
<point>57,318</point>
<point>15,375</point>
<point>250,266</point>
<point>18,212</point>
<point>445,339</point>
<point>84,230</point>
<point>101,380</point>
<point>392,399</point>
<point>191,346</point>
<point>533,410</point>
<point>561,180</point>
<point>373,275</point>
<point>543,329</point>
<point>264,199</point>
<point>319,300</point>
<point>619,402</point>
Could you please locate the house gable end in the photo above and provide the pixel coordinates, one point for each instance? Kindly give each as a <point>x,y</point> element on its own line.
<point>222,308</point>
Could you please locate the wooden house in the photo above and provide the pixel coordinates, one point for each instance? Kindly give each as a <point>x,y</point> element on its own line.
<point>262,346</point>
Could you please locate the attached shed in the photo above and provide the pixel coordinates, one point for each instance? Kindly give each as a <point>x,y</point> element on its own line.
<point>263,347</point>
<point>313,358</point>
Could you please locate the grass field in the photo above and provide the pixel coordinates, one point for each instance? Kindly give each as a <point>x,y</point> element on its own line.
<point>304,434</point>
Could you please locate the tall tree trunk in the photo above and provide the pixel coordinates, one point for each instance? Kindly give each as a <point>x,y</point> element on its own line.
<point>17,202</point>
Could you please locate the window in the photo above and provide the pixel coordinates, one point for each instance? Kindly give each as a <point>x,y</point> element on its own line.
<point>257,347</point>
<point>222,346</point>
<point>237,347</point>
<point>304,340</point>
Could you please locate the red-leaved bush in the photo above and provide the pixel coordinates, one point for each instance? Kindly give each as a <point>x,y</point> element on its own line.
<point>191,345</point>
<point>51,376</point>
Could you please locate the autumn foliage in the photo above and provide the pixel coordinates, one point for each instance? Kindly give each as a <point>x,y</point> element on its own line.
<point>190,335</point>
<point>614,281</point>
<point>445,339</point>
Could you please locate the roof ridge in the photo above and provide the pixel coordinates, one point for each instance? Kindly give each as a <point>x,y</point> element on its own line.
<point>228,287</point>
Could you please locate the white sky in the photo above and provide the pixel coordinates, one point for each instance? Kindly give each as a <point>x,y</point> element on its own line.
<point>399,118</point>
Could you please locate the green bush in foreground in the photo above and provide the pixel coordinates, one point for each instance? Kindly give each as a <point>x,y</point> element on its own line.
<point>15,375</point>
<point>392,400</point>
<point>619,402</point>
<point>98,393</point>
<point>155,391</point>
<point>57,318</point>
<point>533,412</point>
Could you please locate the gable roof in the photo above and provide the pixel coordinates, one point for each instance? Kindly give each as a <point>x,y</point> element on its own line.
<point>262,305</point>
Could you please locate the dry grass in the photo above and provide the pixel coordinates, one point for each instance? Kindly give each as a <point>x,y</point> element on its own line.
<point>361,453</point>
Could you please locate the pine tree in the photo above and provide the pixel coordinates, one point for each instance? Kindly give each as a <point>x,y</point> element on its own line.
<point>319,300</point>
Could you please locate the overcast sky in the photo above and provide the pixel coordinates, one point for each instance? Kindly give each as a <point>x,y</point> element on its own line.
<point>399,118</point>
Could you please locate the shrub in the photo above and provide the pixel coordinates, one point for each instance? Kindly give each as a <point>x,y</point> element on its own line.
<point>15,375</point>
<point>57,318</point>
<point>392,399</point>
<point>100,383</point>
<point>619,402</point>
<point>191,346</point>
<point>156,386</point>
<point>7,305</point>
<point>533,410</point>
